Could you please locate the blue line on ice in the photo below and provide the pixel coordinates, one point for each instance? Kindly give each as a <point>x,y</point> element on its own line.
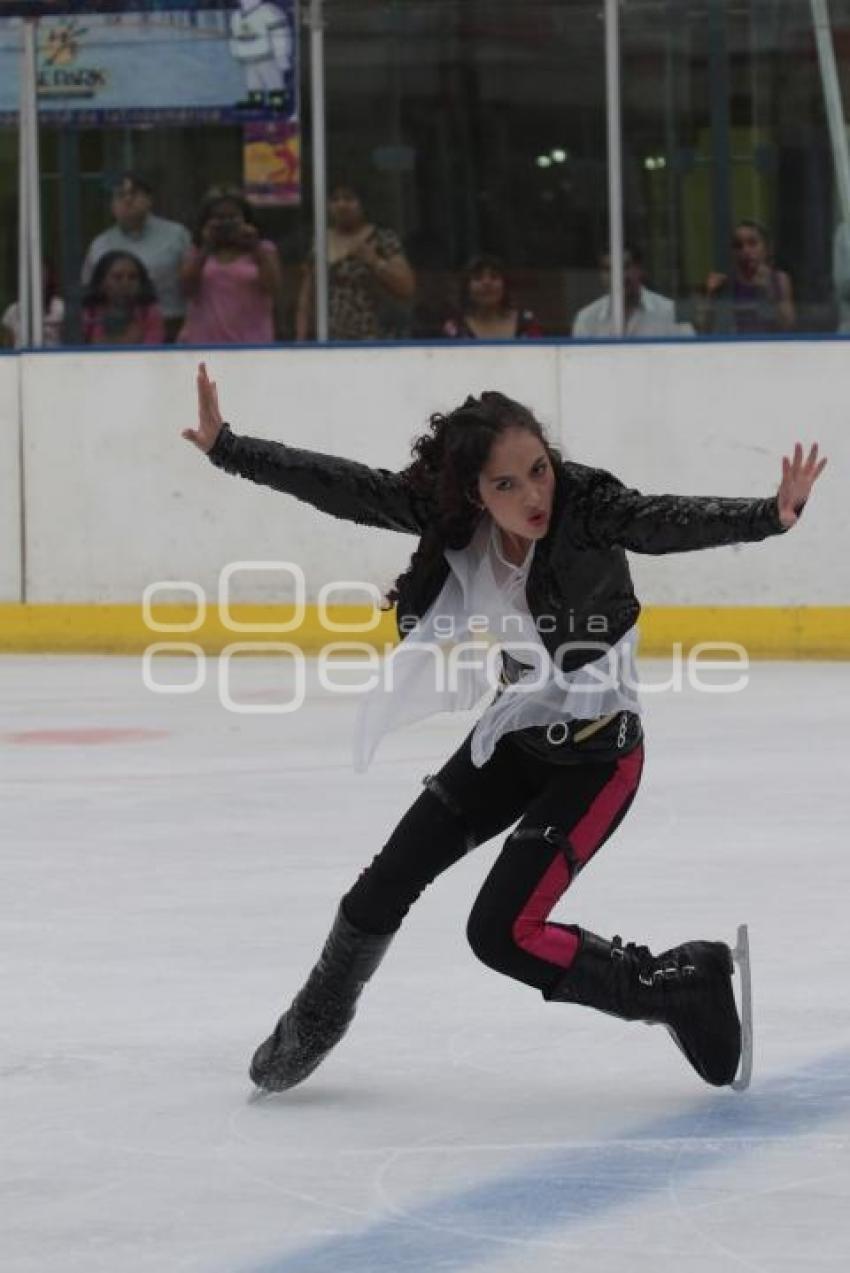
<point>573,1184</point>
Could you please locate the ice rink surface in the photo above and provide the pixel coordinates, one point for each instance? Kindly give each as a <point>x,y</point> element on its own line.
<point>169,870</point>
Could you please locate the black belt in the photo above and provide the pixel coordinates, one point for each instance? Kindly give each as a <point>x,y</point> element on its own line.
<point>573,742</point>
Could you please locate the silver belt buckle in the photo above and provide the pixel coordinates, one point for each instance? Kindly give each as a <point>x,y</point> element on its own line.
<point>557,734</point>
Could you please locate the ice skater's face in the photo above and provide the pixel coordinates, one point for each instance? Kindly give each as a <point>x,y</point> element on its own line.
<point>517,484</point>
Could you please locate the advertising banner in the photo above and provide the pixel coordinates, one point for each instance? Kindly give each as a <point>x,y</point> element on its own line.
<point>46,8</point>
<point>120,64</point>
<point>272,164</point>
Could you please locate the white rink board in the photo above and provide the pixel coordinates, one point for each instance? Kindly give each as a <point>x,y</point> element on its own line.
<point>10,484</point>
<point>117,500</point>
<point>714,419</point>
<point>146,506</point>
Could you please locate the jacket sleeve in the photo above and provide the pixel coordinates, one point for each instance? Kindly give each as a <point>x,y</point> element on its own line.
<point>615,516</point>
<point>343,488</point>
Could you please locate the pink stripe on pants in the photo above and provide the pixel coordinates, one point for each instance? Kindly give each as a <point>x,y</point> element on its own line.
<point>551,942</point>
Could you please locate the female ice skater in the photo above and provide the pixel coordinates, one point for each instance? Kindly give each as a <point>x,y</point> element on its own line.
<point>532,546</point>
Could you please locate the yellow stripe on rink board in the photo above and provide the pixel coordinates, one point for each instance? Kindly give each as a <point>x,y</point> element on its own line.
<point>765,632</point>
<point>814,632</point>
<point>122,629</point>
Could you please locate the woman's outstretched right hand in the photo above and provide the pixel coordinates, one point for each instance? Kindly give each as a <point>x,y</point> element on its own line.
<point>210,421</point>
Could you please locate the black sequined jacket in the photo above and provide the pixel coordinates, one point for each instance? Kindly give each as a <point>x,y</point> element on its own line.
<point>579,588</point>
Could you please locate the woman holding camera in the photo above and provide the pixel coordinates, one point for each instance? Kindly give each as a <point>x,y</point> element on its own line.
<point>231,277</point>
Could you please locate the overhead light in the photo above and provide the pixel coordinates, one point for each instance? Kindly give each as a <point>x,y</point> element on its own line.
<point>544,161</point>
<point>560,156</point>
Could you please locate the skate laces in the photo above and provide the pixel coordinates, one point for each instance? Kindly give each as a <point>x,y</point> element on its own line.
<point>671,966</point>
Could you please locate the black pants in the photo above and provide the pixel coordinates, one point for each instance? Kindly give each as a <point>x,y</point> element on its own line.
<point>565,814</point>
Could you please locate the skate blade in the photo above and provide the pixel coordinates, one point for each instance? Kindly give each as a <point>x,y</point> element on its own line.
<point>258,1096</point>
<point>741,956</point>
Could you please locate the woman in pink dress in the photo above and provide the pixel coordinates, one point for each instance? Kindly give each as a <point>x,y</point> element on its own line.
<point>231,277</point>
<point>119,306</point>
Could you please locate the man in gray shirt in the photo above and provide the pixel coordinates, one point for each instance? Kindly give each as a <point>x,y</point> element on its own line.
<point>159,244</point>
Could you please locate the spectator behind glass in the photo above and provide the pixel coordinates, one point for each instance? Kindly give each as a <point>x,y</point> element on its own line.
<point>120,307</point>
<point>52,319</point>
<point>758,297</point>
<point>487,310</point>
<point>647,313</point>
<point>841,273</point>
<point>159,244</point>
<point>369,279</point>
<point>230,275</point>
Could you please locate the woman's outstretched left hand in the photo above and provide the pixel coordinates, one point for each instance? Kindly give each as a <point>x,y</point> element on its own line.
<point>210,422</point>
<point>798,478</point>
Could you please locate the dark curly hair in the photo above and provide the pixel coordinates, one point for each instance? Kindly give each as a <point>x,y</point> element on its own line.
<point>448,461</point>
<point>94,293</point>
<point>474,269</point>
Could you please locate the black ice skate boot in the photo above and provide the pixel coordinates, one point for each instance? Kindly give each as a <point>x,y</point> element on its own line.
<point>323,1009</point>
<point>688,989</point>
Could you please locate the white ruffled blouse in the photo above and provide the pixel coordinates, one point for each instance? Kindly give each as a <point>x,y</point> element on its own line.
<point>453,657</point>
